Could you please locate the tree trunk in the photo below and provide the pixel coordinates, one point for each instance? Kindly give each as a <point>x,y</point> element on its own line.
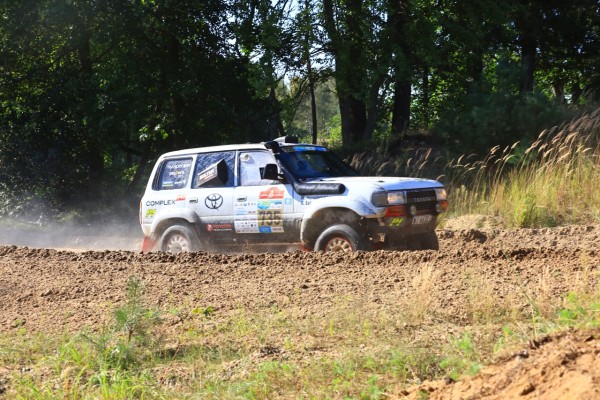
<point>313,104</point>
<point>373,111</point>
<point>141,167</point>
<point>311,81</point>
<point>401,108</point>
<point>425,96</point>
<point>576,92</point>
<point>347,52</point>
<point>93,152</point>
<point>275,123</point>
<point>528,50</point>
<point>558,88</point>
<point>178,105</point>
<point>402,82</point>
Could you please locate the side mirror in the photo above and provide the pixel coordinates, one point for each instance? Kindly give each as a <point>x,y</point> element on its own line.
<point>270,172</point>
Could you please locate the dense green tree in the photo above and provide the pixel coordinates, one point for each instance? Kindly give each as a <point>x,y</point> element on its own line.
<point>88,88</point>
<point>91,92</point>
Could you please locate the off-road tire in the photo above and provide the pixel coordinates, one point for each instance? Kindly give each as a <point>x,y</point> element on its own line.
<point>424,241</point>
<point>179,239</point>
<point>341,237</point>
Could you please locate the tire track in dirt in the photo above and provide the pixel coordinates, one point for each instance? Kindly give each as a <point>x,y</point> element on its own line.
<point>56,291</point>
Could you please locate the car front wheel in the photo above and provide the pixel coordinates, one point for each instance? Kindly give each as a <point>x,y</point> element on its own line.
<point>424,241</point>
<point>341,238</point>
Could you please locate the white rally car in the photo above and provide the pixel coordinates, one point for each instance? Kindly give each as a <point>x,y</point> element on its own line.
<point>283,193</point>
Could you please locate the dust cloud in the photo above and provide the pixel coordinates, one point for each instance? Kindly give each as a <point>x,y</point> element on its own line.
<point>95,235</point>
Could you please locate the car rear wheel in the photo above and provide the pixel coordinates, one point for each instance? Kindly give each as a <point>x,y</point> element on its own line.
<point>341,238</point>
<point>179,239</point>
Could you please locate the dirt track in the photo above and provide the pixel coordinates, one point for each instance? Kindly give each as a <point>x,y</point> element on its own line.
<point>56,291</point>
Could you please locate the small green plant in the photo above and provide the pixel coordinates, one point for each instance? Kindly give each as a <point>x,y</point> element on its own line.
<point>372,391</point>
<point>121,345</point>
<point>463,357</point>
<point>580,313</point>
<point>134,318</point>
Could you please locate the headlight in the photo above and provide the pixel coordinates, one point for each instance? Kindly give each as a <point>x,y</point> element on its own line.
<point>379,199</point>
<point>394,198</point>
<point>382,199</point>
<point>441,194</point>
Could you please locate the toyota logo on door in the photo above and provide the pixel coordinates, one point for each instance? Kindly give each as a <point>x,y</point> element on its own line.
<point>213,201</point>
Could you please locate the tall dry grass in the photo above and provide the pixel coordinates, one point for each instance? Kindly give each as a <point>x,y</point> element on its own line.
<point>552,181</point>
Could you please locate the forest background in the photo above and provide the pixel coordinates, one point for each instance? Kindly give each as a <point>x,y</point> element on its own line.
<point>91,92</point>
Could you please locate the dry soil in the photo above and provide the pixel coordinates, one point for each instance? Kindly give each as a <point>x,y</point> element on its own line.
<point>50,290</point>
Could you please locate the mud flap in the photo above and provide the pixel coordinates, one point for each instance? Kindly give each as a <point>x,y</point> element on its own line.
<point>148,245</point>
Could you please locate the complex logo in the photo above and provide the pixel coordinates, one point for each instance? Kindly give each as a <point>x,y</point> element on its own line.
<point>213,201</point>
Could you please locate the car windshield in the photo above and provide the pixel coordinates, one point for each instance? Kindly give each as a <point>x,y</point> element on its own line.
<point>312,162</point>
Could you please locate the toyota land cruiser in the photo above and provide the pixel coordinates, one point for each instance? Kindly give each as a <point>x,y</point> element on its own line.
<point>281,193</point>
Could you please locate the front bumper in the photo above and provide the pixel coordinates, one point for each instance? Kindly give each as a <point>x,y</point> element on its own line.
<point>394,229</point>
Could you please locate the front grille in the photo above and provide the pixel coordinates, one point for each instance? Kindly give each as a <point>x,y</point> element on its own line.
<point>424,200</point>
<point>421,196</point>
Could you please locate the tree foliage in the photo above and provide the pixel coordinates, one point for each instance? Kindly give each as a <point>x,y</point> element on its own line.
<point>91,92</point>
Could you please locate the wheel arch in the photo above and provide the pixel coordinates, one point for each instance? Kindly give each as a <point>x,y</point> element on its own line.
<point>164,224</point>
<point>312,226</point>
<point>163,220</point>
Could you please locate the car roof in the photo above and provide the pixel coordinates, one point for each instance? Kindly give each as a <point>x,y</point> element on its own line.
<point>227,147</point>
<point>211,149</point>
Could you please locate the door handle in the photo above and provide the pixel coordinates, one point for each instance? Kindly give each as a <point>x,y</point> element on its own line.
<point>193,200</point>
<point>241,198</point>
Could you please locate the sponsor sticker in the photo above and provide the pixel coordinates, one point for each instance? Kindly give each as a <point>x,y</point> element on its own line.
<point>271,193</point>
<point>175,164</point>
<point>396,222</point>
<point>219,227</point>
<point>150,213</point>
<point>269,204</point>
<point>211,173</point>
<point>152,203</point>
<point>264,205</point>
<point>246,226</point>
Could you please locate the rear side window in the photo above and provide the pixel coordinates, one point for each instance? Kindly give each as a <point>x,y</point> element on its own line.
<point>214,170</point>
<point>174,174</point>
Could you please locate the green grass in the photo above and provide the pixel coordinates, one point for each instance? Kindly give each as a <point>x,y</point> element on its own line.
<point>346,353</point>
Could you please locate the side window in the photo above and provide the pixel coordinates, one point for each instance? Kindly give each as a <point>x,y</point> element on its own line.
<point>251,163</point>
<point>174,174</point>
<point>214,170</point>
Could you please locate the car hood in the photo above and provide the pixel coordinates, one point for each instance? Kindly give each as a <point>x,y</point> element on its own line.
<point>385,183</point>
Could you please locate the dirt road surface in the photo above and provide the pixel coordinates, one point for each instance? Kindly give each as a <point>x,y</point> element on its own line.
<point>51,290</point>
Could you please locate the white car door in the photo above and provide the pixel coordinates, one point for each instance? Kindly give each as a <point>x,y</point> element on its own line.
<point>261,207</point>
<point>211,193</point>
